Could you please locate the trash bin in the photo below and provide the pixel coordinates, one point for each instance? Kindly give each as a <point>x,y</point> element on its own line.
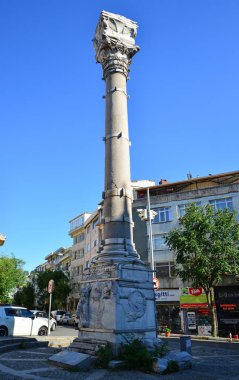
<point>185,344</point>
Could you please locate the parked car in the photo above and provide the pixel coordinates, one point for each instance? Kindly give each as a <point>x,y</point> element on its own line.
<point>70,319</point>
<point>43,314</point>
<point>58,314</point>
<point>15,320</point>
<point>67,319</point>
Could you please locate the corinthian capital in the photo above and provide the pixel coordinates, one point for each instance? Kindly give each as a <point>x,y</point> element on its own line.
<point>114,43</point>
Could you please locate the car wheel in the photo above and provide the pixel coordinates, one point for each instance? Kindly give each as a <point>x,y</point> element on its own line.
<point>53,327</point>
<point>3,331</point>
<point>42,331</point>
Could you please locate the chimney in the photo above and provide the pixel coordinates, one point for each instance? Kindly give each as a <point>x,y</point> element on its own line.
<point>163,182</point>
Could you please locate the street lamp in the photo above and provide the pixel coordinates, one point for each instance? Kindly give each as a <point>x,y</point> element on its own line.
<point>148,215</point>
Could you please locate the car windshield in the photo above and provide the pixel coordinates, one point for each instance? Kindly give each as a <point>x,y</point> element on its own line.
<point>59,312</point>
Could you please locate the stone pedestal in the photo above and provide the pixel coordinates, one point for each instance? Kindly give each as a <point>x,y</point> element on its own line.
<point>117,304</point>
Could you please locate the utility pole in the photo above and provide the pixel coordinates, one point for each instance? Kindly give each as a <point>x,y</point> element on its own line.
<point>148,215</point>
<point>150,230</point>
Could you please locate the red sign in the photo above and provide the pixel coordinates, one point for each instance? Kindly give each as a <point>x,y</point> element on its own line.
<point>193,305</point>
<point>156,283</point>
<point>51,286</point>
<point>195,292</point>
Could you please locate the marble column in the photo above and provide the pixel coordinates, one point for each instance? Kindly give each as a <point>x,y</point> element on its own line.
<point>114,44</point>
<point>116,302</point>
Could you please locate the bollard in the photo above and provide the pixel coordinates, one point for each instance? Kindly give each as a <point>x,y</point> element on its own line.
<point>185,344</point>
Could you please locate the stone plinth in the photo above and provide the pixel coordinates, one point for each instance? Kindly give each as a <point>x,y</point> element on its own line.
<point>117,304</point>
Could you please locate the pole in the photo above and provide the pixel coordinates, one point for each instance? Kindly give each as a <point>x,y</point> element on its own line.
<point>150,231</point>
<point>49,314</point>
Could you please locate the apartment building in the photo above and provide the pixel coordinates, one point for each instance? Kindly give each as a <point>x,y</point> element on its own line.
<point>176,301</point>
<point>83,231</point>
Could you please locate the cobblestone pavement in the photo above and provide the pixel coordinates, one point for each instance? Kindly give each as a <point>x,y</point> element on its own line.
<point>210,362</point>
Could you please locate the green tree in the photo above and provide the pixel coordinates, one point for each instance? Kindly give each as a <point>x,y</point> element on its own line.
<point>25,296</point>
<point>12,276</point>
<point>62,289</point>
<point>206,248</point>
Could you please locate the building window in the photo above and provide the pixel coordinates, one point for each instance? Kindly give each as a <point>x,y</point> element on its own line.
<point>81,253</point>
<point>159,242</point>
<point>78,238</point>
<point>87,248</point>
<point>95,243</point>
<point>222,204</point>
<point>76,223</point>
<point>182,208</point>
<point>88,230</point>
<point>164,214</point>
<point>164,270</point>
<point>95,223</point>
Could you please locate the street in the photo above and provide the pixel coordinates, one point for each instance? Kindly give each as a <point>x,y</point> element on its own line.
<point>64,330</point>
<point>211,361</point>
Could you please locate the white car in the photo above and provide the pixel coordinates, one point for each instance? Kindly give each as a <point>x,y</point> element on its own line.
<point>15,320</point>
<point>43,314</point>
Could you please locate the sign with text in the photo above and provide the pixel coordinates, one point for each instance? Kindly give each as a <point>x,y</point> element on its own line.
<point>164,295</point>
<point>191,319</point>
<point>193,298</point>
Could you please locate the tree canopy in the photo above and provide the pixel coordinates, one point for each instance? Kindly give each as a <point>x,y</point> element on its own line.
<point>12,276</point>
<point>25,296</point>
<point>206,248</point>
<point>62,288</point>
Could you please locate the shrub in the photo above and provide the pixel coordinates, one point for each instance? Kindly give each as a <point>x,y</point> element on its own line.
<point>171,367</point>
<point>161,351</point>
<point>136,356</point>
<point>104,355</point>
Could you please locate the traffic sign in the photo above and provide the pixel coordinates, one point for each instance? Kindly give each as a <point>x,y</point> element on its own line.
<point>156,283</point>
<point>51,286</point>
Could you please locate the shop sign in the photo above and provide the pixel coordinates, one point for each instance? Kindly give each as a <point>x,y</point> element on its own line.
<point>193,305</point>
<point>191,318</point>
<point>205,330</point>
<point>193,297</point>
<point>167,295</point>
<point>195,292</point>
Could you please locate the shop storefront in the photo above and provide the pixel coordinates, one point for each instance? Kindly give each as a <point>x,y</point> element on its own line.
<point>227,303</point>
<point>168,309</point>
<point>195,312</point>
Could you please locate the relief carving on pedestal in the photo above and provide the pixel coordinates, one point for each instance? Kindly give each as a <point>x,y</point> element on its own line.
<point>82,310</point>
<point>136,306</point>
<point>101,291</point>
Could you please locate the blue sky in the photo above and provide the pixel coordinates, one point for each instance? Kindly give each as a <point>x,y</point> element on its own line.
<point>183,110</point>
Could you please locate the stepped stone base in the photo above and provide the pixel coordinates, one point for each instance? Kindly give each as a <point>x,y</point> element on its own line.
<point>87,346</point>
<point>68,359</point>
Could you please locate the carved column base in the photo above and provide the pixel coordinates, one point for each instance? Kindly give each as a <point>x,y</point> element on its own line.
<point>120,304</point>
<point>118,251</point>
